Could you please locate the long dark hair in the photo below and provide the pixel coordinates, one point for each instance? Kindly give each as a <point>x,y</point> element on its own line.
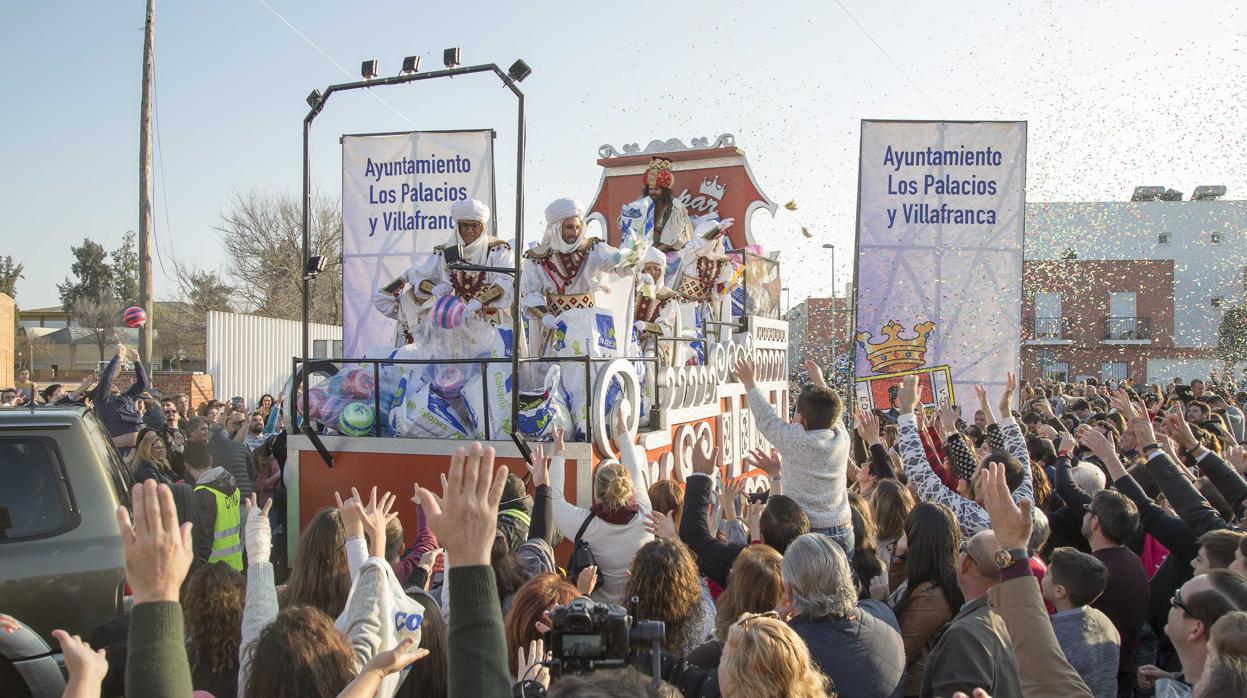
<point>665,197</point>
<point>867,563</point>
<point>428,677</point>
<point>507,575</point>
<point>319,577</point>
<point>933,538</point>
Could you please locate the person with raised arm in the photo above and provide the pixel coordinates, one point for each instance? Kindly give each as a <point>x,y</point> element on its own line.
<point>970,513</point>
<point>815,452</point>
<point>1042,669</point>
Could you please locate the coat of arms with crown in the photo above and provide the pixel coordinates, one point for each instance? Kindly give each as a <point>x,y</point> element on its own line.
<point>901,352</point>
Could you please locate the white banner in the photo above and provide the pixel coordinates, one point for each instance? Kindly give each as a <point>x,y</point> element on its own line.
<point>397,190</point>
<point>941,207</point>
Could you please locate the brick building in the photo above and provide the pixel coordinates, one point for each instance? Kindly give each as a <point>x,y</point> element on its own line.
<point>814,324</point>
<point>1135,289</point>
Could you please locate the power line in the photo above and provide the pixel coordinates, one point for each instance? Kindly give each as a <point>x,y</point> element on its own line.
<point>329,58</point>
<point>164,187</point>
<point>885,55</point>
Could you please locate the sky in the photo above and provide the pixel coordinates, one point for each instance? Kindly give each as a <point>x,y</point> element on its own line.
<point>1116,94</point>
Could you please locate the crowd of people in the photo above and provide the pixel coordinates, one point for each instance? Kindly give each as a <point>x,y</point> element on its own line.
<point>1064,540</point>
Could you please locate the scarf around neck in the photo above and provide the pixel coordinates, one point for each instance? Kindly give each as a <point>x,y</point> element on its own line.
<point>619,515</point>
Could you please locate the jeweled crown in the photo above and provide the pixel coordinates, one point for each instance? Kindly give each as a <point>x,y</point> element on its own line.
<point>896,353</point>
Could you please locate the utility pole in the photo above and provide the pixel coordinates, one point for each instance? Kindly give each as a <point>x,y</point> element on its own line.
<point>145,190</point>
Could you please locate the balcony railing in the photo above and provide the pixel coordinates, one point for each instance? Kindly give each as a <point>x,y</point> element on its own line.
<point>1127,328</point>
<point>1051,327</point>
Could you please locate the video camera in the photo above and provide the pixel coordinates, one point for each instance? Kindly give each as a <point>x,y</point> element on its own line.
<point>586,635</point>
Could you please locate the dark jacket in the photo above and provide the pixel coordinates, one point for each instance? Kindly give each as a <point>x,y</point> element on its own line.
<point>714,558</point>
<point>234,456</point>
<point>863,655</point>
<point>118,412</point>
<point>975,651</point>
<point>147,470</point>
<point>205,509</point>
<point>514,519</point>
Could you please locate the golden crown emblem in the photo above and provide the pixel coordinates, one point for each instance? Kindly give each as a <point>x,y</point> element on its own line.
<point>896,353</point>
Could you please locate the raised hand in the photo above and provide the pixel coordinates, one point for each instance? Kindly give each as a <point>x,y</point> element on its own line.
<point>814,372</point>
<point>745,373</point>
<point>557,436</point>
<point>1176,426</point>
<point>661,525</point>
<point>947,417</point>
<point>702,463</point>
<point>351,514</point>
<point>257,534</point>
<point>529,666</point>
<point>1006,397</point>
<point>1097,443</point>
<point>376,517</point>
<point>867,426</point>
<point>727,499</point>
<point>158,552</point>
<point>539,469</point>
<point>1011,521</point>
<point>907,396</point>
<point>86,667</point>
<point>753,518</point>
<point>769,463</point>
<point>587,580</point>
<point>466,515</point>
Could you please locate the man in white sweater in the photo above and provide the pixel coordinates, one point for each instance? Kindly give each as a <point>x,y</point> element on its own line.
<point>814,451</point>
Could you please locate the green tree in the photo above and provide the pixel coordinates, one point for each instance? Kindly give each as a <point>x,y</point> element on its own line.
<point>10,272</point>
<point>125,266</point>
<point>93,275</point>
<point>1232,335</point>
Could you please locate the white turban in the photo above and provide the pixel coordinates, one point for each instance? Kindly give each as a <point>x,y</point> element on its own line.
<point>469,210</point>
<point>653,255</point>
<point>561,209</point>
<point>558,211</point>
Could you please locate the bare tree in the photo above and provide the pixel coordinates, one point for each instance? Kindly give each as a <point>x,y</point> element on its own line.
<point>100,315</point>
<point>183,323</point>
<point>263,237</point>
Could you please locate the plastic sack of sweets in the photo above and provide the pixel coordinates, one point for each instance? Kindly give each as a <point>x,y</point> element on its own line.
<point>582,331</point>
<point>426,414</point>
<point>541,411</point>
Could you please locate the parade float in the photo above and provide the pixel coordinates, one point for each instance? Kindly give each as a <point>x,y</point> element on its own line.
<point>391,418</point>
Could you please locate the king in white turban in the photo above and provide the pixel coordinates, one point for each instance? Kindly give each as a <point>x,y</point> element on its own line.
<point>559,284</point>
<point>487,294</point>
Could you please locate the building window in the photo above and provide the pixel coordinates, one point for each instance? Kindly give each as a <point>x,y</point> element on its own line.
<point>1162,239</point>
<point>1113,371</point>
<point>1215,238</point>
<point>1048,322</point>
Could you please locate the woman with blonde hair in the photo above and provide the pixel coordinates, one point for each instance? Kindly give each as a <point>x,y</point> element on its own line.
<point>764,658</point>
<point>151,461</point>
<point>614,526</point>
<point>757,586</point>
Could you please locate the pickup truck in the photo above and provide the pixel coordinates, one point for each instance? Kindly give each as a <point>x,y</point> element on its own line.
<point>61,558</point>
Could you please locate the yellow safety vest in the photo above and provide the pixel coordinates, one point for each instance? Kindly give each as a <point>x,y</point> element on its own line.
<point>226,532</point>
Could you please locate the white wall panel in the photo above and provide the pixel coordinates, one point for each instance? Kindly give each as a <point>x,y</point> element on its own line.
<point>249,355</point>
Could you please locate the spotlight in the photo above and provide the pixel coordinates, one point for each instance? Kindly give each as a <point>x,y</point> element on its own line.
<point>315,265</point>
<point>450,57</point>
<point>519,70</point>
<point>369,69</point>
<point>313,100</point>
<point>411,64</point>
